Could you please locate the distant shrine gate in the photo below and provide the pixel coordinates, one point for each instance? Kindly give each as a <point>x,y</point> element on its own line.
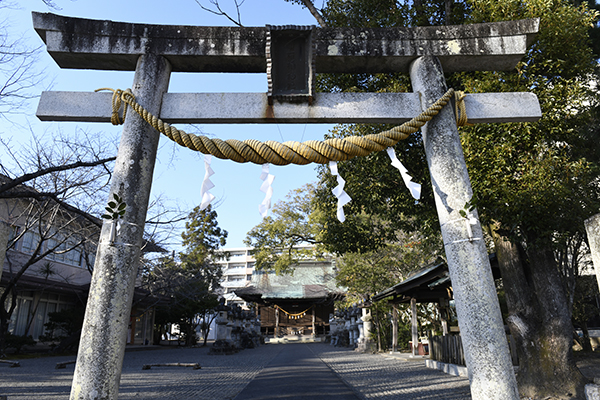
<point>291,56</point>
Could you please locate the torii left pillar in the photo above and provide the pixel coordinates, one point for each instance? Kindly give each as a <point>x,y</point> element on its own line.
<point>100,356</point>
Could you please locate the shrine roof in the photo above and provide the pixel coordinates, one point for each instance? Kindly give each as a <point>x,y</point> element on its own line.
<point>309,281</point>
<point>427,285</point>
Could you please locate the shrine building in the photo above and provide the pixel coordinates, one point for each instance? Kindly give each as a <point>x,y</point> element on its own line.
<point>295,306</point>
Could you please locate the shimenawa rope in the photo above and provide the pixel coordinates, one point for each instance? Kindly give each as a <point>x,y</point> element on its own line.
<point>292,152</point>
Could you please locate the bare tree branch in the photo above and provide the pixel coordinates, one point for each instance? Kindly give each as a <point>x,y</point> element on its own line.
<point>219,10</point>
<point>18,73</point>
<point>315,13</point>
<point>27,177</point>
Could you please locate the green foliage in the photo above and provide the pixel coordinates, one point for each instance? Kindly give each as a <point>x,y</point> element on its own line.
<point>64,324</point>
<point>390,13</point>
<point>116,208</point>
<point>190,281</point>
<point>381,205</point>
<point>365,274</point>
<point>521,172</point>
<point>584,305</point>
<point>17,342</point>
<point>202,237</point>
<point>525,172</point>
<point>294,222</point>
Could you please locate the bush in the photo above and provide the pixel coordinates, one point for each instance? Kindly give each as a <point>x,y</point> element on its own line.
<point>17,342</point>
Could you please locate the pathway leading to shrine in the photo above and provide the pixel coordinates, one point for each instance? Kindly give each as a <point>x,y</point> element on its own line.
<point>356,375</point>
<point>297,373</point>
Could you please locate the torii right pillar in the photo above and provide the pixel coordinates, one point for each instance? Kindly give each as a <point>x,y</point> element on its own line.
<point>491,373</point>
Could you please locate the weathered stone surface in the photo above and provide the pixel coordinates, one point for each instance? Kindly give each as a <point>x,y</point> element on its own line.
<point>221,108</point>
<point>592,227</point>
<point>85,43</point>
<point>482,331</point>
<point>592,392</point>
<point>103,336</point>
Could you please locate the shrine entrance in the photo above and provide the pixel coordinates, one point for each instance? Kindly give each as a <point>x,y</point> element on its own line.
<point>291,56</point>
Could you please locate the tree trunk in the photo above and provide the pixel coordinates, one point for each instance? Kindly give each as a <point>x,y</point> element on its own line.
<point>448,11</point>
<point>207,330</point>
<point>3,331</point>
<point>540,322</point>
<point>586,343</point>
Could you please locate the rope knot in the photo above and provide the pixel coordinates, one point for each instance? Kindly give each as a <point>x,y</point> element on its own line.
<point>119,97</point>
<point>460,109</point>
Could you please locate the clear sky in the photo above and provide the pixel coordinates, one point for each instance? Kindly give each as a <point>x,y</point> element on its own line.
<point>179,172</point>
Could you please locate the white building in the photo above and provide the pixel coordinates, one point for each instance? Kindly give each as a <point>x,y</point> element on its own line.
<point>237,273</point>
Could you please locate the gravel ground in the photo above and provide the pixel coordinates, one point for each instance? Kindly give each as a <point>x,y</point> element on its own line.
<point>223,377</point>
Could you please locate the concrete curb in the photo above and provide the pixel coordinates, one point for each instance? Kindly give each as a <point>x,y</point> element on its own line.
<point>450,369</point>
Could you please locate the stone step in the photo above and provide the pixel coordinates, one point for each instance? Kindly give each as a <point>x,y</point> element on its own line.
<point>294,339</point>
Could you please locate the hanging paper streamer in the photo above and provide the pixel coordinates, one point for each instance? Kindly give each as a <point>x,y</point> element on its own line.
<point>266,188</point>
<point>338,191</point>
<point>471,220</point>
<point>415,188</point>
<point>207,197</point>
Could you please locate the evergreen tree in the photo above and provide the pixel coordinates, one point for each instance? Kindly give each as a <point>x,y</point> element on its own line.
<point>534,183</point>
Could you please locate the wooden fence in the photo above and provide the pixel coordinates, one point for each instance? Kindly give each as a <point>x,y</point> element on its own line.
<point>449,349</point>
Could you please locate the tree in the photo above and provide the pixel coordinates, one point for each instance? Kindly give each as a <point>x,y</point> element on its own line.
<point>190,281</point>
<point>52,216</point>
<point>190,298</point>
<point>278,238</point>
<point>64,326</point>
<point>534,182</point>
<point>365,274</point>
<point>585,307</point>
<point>18,74</point>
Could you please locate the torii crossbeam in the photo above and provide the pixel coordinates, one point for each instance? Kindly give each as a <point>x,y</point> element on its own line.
<point>291,56</point>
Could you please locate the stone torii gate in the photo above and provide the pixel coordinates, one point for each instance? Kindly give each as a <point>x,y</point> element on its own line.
<point>291,55</point>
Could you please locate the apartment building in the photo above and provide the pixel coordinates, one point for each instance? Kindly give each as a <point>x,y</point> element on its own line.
<point>237,273</point>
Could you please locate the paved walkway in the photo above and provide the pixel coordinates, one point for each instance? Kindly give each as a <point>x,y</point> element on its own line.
<point>297,373</point>
<point>293,368</point>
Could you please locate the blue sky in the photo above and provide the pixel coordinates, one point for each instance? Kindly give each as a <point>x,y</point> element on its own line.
<point>179,172</point>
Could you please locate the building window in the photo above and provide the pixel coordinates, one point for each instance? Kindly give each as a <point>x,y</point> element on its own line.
<point>30,242</point>
<point>237,255</point>
<point>235,278</point>
<point>73,257</point>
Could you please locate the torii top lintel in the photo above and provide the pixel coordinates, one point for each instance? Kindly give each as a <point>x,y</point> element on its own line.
<point>94,44</point>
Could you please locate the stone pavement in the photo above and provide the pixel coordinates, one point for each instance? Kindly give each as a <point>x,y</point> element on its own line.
<point>297,373</point>
<point>368,376</point>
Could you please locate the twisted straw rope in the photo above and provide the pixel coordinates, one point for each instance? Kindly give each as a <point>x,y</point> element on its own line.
<point>292,152</point>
